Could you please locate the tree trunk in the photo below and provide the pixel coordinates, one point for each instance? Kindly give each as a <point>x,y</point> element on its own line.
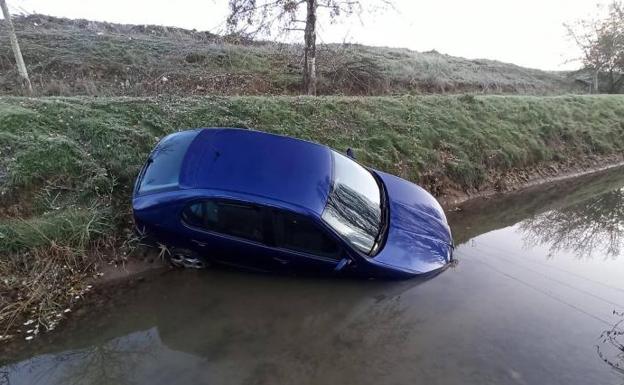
<point>19,60</point>
<point>618,84</point>
<point>309,69</point>
<point>596,81</point>
<point>611,82</point>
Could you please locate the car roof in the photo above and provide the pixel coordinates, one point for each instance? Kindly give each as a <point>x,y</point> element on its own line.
<point>251,162</point>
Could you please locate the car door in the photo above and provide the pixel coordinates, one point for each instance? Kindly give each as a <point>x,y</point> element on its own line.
<point>230,232</point>
<point>301,243</point>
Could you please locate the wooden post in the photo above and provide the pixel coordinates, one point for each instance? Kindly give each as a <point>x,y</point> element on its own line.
<point>19,60</point>
<point>309,69</point>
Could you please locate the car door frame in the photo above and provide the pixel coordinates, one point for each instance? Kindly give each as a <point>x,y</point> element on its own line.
<point>236,241</point>
<point>344,252</point>
<point>275,259</point>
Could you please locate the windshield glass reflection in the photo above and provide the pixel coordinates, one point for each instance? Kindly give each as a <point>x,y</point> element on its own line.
<point>354,204</point>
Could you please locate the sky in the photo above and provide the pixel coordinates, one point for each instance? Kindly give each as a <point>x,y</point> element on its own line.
<point>529,33</point>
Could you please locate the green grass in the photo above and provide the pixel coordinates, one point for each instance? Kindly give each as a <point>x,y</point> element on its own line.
<point>68,164</point>
<point>73,227</point>
<point>79,57</point>
<point>83,149</point>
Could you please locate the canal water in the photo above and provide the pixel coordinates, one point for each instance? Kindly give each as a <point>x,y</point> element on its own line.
<point>539,278</point>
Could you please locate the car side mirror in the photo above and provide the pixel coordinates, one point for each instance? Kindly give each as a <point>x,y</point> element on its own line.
<point>350,153</point>
<point>344,262</point>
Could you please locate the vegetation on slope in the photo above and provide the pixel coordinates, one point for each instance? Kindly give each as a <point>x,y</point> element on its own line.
<point>80,57</point>
<point>68,164</point>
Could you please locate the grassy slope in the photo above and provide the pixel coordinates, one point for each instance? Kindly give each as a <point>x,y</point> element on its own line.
<point>79,57</point>
<point>68,164</point>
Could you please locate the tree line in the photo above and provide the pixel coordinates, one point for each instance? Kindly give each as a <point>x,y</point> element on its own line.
<point>601,41</point>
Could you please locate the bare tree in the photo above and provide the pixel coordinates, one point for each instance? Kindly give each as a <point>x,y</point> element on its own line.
<point>271,16</point>
<point>611,348</point>
<point>589,228</point>
<point>602,44</point>
<point>309,66</point>
<point>19,60</point>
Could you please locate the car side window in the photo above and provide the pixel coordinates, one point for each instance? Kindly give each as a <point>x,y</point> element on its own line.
<point>227,217</point>
<point>298,233</point>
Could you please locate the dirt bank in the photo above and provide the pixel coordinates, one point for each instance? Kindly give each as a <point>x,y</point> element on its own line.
<point>518,180</point>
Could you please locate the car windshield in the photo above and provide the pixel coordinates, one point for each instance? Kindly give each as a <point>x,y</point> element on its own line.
<point>354,204</point>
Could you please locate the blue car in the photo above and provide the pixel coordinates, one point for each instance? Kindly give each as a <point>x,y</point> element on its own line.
<point>274,203</point>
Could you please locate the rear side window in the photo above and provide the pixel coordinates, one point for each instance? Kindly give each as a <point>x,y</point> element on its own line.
<point>162,169</point>
<point>226,217</point>
<point>298,233</point>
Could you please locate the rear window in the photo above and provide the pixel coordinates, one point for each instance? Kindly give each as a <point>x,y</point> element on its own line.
<point>162,170</point>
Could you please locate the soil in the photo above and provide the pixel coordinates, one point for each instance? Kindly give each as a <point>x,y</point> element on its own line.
<point>516,180</point>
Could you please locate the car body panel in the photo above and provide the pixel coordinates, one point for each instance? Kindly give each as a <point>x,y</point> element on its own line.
<point>278,167</point>
<point>419,239</point>
<point>232,250</point>
<point>282,173</point>
<point>160,216</point>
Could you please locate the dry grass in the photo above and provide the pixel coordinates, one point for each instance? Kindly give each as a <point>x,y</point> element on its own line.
<point>79,57</point>
<point>48,265</point>
<point>39,283</point>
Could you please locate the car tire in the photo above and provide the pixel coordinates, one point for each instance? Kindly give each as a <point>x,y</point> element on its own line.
<point>186,259</point>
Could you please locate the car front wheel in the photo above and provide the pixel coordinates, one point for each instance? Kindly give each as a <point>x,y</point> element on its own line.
<point>186,259</point>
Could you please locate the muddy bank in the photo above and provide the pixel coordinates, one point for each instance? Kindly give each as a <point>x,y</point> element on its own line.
<point>116,279</point>
<point>518,180</point>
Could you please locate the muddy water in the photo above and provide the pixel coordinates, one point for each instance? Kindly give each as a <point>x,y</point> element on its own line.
<point>538,279</point>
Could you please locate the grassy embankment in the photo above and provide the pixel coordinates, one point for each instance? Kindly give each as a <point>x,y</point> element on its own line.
<point>81,57</point>
<point>68,164</point>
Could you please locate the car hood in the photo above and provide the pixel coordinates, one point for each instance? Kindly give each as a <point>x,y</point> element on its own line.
<point>419,239</point>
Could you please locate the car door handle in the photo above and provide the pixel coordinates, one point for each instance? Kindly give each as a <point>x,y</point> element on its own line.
<point>198,243</point>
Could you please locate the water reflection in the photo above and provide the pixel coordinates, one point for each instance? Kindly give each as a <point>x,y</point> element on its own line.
<point>503,316</point>
<point>590,228</point>
<point>482,216</point>
<point>113,362</point>
<point>214,327</point>
<point>611,347</point>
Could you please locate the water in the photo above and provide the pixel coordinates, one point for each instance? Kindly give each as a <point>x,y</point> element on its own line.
<point>538,279</point>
